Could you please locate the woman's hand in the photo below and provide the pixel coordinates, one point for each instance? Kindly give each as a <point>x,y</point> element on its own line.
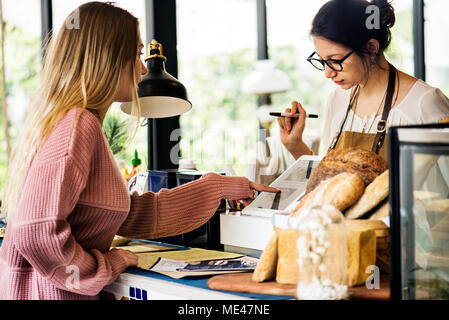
<point>131,259</point>
<point>292,129</point>
<point>257,187</point>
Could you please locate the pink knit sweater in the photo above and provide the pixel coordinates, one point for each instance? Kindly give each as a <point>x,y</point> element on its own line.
<point>72,204</point>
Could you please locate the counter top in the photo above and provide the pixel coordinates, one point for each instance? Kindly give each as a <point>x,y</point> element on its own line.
<point>160,287</point>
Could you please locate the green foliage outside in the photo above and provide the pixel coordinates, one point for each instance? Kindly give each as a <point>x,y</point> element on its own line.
<point>221,128</point>
<point>222,125</point>
<point>119,128</point>
<point>116,129</point>
<point>23,64</point>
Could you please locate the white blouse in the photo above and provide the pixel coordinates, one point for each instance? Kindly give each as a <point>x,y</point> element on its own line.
<point>422,105</point>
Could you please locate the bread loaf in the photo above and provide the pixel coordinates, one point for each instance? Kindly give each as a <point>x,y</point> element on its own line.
<point>374,193</point>
<point>444,120</point>
<point>361,253</point>
<point>422,164</point>
<point>382,212</point>
<point>266,268</point>
<point>379,227</point>
<point>440,205</point>
<point>361,242</point>
<point>359,157</point>
<point>426,195</point>
<point>340,191</point>
<point>287,265</point>
<point>368,165</point>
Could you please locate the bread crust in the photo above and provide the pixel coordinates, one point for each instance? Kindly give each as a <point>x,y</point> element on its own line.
<point>359,157</point>
<point>374,193</point>
<point>287,265</point>
<point>340,191</point>
<point>382,212</point>
<point>266,267</point>
<point>368,165</point>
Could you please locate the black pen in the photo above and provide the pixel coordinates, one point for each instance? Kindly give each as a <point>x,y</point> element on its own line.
<point>289,115</point>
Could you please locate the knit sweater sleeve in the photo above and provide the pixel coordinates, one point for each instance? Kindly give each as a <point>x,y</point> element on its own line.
<point>182,209</point>
<point>40,230</point>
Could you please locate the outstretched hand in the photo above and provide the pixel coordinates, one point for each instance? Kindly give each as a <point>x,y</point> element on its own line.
<point>257,187</point>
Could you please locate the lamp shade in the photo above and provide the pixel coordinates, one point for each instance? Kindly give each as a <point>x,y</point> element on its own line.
<point>160,94</point>
<point>265,79</point>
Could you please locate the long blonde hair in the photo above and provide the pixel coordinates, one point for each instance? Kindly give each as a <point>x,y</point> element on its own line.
<point>82,69</point>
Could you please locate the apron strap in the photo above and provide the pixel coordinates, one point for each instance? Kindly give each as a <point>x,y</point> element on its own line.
<point>352,99</point>
<point>382,124</point>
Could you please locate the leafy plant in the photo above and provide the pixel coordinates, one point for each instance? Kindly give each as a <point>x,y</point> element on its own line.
<point>116,129</point>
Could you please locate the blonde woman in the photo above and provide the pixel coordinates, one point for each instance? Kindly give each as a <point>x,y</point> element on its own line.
<point>64,195</point>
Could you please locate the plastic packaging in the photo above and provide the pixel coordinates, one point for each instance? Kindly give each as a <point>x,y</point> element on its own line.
<point>136,165</point>
<point>123,170</point>
<point>322,255</point>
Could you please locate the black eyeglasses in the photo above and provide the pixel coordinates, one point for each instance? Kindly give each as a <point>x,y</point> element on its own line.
<point>334,64</point>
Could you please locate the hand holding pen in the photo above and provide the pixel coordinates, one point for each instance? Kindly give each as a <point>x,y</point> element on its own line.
<point>292,128</point>
<point>289,115</point>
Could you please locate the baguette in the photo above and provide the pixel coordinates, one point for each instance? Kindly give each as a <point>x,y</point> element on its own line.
<point>374,193</point>
<point>382,212</point>
<point>340,191</point>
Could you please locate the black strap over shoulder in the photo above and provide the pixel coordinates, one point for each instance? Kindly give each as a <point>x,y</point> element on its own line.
<point>382,124</point>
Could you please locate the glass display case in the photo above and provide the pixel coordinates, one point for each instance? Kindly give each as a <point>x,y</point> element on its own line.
<point>419,212</point>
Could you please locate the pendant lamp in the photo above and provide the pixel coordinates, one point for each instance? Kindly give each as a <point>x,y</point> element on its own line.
<point>161,95</point>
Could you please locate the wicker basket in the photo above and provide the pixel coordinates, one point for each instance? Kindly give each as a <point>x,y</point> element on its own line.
<point>383,253</point>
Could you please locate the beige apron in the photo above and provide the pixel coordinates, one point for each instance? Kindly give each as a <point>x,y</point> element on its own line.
<point>349,139</point>
<point>375,142</point>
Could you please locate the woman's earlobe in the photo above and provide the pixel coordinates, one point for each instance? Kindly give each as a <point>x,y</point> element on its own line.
<point>373,46</point>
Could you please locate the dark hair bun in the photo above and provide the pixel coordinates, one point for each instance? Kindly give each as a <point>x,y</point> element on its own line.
<point>387,15</point>
<point>345,22</point>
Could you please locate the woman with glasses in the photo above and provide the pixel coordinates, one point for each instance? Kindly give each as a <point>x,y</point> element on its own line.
<point>372,94</point>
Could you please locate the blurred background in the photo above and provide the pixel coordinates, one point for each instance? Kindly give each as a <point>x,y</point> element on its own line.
<point>217,46</point>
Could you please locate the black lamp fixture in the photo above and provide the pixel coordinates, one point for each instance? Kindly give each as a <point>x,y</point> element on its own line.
<point>161,95</point>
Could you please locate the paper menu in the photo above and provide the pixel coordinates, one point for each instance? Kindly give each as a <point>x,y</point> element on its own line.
<point>141,247</point>
<point>147,260</point>
<point>292,183</point>
<point>180,269</point>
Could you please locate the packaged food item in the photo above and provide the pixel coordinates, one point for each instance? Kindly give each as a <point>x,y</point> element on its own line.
<point>123,170</point>
<point>266,268</point>
<point>136,165</point>
<point>322,255</point>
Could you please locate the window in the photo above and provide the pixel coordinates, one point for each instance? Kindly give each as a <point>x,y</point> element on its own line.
<point>216,49</point>
<point>22,63</point>
<point>437,44</point>
<point>289,24</point>
<point>400,52</point>
<point>61,9</point>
